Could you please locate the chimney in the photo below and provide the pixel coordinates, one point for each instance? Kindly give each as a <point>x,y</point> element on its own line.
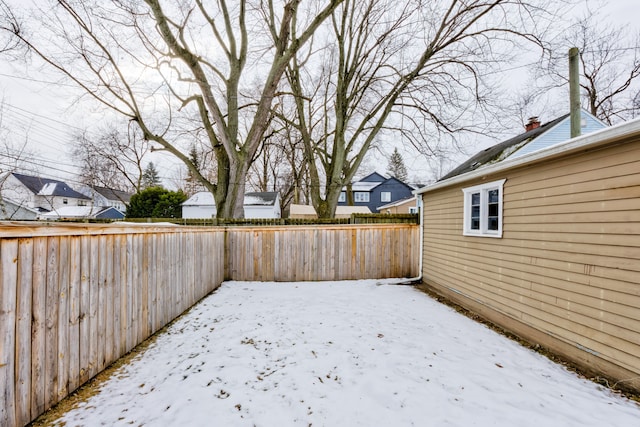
<point>533,124</point>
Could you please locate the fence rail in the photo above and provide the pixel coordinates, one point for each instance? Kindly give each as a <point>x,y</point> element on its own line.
<point>252,222</point>
<point>76,297</point>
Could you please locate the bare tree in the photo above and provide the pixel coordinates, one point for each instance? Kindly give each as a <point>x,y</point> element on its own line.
<point>427,63</point>
<point>163,67</point>
<point>13,158</point>
<point>280,166</point>
<point>113,158</point>
<point>609,67</point>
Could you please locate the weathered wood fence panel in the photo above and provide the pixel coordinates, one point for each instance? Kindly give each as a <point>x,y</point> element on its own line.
<point>76,297</point>
<point>340,252</point>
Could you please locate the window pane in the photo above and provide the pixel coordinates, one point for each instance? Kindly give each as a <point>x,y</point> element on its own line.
<point>475,211</point>
<point>360,196</point>
<point>385,196</point>
<point>493,209</point>
<point>492,223</point>
<point>475,223</point>
<point>475,199</point>
<point>493,196</point>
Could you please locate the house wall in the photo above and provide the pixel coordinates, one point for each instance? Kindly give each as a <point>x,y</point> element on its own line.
<point>9,210</point>
<point>398,191</point>
<point>261,212</point>
<point>198,211</point>
<point>565,274</point>
<point>403,208</point>
<point>56,202</point>
<point>13,189</point>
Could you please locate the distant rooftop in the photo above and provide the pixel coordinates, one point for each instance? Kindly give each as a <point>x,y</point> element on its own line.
<point>48,187</point>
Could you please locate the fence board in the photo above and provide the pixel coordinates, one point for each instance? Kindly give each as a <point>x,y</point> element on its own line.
<point>8,301</point>
<point>51,324</point>
<point>63,319</point>
<point>74,313</point>
<point>38,326</point>
<point>23,331</point>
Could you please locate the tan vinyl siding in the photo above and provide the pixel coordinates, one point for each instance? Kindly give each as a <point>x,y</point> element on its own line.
<point>568,264</point>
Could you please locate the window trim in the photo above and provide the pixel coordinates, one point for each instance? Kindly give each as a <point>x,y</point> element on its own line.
<point>483,189</point>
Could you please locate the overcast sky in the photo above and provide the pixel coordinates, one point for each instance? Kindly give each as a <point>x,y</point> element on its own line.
<point>40,112</point>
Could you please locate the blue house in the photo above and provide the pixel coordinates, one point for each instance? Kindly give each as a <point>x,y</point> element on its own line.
<point>376,190</point>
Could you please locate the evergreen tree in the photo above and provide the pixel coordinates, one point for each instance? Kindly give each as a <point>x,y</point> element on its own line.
<point>150,177</point>
<point>192,183</point>
<point>396,167</point>
<point>156,202</point>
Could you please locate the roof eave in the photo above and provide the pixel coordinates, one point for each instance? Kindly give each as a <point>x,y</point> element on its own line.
<point>590,141</point>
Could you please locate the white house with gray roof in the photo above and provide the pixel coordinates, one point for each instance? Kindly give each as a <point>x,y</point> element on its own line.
<point>256,205</point>
<point>41,194</point>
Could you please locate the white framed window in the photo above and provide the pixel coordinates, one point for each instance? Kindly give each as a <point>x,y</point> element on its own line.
<point>343,197</point>
<point>385,196</point>
<point>483,209</point>
<point>413,210</point>
<point>361,197</point>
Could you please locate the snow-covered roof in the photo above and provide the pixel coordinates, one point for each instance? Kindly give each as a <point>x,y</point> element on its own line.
<point>48,187</point>
<point>364,186</point>
<point>265,198</point>
<point>77,212</point>
<point>201,198</point>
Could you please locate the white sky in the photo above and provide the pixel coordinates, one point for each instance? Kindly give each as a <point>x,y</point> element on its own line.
<point>353,353</point>
<point>41,113</point>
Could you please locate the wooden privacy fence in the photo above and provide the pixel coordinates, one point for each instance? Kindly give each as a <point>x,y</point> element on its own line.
<point>323,253</point>
<point>74,298</point>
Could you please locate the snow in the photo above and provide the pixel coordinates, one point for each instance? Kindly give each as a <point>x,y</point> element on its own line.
<point>48,189</point>
<point>200,198</point>
<point>255,200</point>
<point>352,353</point>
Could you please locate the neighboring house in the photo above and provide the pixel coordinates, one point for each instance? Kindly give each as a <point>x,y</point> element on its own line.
<point>83,212</point>
<point>403,206</point>
<point>308,211</point>
<point>375,190</point>
<point>41,194</point>
<point>256,205</point>
<point>546,245</point>
<point>13,211</point>
<point>536,137</point>
<point>106,197</point>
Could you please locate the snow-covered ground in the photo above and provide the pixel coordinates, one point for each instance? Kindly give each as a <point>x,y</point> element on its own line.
<point>363,353</point>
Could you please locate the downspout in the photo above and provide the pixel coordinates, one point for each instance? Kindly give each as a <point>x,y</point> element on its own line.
<point>418,279</point>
